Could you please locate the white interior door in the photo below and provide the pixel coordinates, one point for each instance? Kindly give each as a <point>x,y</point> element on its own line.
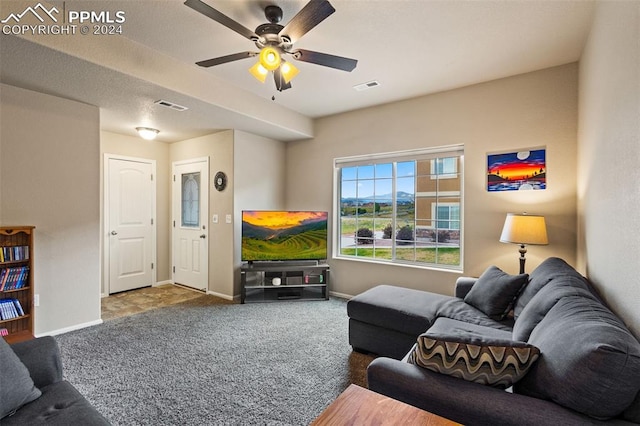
<point>190,230</point>
<point>130,209</point>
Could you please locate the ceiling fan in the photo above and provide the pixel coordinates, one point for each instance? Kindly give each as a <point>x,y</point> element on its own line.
<point>275,40</point>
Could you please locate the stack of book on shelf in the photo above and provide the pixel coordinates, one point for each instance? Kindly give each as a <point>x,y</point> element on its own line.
<point>13,278</point>
<point>10,309</point>
<point>14,254</point>
<point>4,332</point>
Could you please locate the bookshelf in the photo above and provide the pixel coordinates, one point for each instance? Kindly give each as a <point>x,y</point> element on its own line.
<point>16,283</point>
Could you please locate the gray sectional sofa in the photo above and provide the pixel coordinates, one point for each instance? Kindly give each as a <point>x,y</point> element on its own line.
<point>33,392</point>
<point>505,350</point>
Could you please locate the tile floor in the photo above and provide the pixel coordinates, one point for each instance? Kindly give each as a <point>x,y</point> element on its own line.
<point>144,299</point>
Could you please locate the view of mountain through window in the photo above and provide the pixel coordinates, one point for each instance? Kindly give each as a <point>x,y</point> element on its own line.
<point>406,211</point>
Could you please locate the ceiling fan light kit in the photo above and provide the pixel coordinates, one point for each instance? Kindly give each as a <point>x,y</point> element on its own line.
<point>288,71</point>
<point>269,58</point>
<point>259,72</point>
<point>275,40</point>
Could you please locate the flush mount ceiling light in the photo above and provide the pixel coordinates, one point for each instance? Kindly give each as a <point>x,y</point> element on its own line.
<point>275,41</point>
<point>147,133</point>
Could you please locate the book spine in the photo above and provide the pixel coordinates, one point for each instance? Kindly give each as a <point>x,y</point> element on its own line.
<point>18,306</point>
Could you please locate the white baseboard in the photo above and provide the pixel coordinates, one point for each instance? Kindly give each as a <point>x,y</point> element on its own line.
<point>221,296</point>
<point>165,282</point>
<point>68,329</point>
<point>340,295</point>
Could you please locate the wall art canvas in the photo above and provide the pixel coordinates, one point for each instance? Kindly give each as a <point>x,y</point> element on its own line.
<point>516,171</point>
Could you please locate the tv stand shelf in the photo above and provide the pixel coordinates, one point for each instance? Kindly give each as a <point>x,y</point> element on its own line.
<point>269,282</point>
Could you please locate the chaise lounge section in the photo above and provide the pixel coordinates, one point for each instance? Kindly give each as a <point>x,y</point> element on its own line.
<point>505,350</point>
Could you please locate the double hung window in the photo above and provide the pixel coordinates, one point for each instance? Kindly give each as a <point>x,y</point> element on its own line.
<point>403,207</point>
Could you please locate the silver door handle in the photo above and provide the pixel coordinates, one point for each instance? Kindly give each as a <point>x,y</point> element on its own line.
<point>203,236</point>
<point>114,233</point>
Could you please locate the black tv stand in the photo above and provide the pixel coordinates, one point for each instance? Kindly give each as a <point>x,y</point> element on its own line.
<point>276,263</point>
<point>273,281</point>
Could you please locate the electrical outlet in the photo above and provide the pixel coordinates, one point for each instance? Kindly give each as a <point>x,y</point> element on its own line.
<point>36,300</point>
<point>215,218</point>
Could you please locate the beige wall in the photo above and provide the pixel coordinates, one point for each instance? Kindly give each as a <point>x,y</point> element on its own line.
<point>219,148</point>
<point>609,158</point>
<point>255,169</point>
<point>50,157</point>
<point>525,111</point>
<point>130,146</point>
<point>259,165</point>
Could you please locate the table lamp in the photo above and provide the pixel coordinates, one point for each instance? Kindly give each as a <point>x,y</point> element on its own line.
<point>524,229</point>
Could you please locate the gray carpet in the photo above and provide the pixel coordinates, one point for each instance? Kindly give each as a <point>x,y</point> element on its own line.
<point>198,363</point>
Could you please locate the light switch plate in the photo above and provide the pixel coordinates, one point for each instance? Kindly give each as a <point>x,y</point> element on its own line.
<point>228,218</point>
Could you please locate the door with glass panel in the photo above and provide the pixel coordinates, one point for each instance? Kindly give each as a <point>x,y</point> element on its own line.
<point>190,251</point>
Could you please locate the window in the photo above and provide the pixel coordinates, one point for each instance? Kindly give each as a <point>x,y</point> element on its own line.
<point>401,207</point>
<point>191,200</point>
<point>445,168</point>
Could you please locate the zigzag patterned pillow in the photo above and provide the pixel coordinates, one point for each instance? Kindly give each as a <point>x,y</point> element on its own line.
<point>499,363</point>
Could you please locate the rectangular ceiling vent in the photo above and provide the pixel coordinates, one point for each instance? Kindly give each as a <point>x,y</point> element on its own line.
<point>171,105</point>
<point>366,86</point>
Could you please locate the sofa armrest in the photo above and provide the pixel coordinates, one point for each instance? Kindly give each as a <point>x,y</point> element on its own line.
<point>463,286</point>
<point>41,356</point>
<point>465,402</point>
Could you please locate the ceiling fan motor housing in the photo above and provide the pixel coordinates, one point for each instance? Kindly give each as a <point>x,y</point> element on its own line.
<point>273,14</point>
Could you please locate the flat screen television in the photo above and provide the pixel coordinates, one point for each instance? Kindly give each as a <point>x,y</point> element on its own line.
<point>284,235</point>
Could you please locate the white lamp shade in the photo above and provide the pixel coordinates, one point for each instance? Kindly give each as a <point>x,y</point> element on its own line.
<point>524,229</point>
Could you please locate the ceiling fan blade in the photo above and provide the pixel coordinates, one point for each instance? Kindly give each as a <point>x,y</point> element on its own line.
<point>280,83</point>
<point>311,15</point>
<point>220,17</point>
<point>325,59</point>
<point>225,59</point>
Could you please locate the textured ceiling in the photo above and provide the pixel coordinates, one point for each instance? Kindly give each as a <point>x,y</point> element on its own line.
<point>410,47</point>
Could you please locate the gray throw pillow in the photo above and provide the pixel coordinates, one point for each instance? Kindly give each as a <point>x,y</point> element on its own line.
<point>495,292</point>
<point>16,386</point>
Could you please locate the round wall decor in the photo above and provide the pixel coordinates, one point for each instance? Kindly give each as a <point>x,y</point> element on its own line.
<point>220,181</point>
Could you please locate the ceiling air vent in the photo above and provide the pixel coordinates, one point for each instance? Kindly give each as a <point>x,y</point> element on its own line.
<point>366,86</point>
<point>171,105</point>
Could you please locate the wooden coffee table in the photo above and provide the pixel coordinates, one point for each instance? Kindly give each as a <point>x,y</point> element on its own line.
<point>360,406</point>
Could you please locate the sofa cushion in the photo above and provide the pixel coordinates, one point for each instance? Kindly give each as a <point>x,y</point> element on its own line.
<point>396,308</point>
<point>543,301</point>
<point>41,356</point>
<point>474,353</point>
<point>16,385</point>
<point>590,362</point>
<point>495,291</point>
<point>457,309</point>
<point>552,268</point>
<point>60,405</point>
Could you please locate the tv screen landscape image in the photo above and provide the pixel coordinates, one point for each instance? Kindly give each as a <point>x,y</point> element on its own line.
<point>284,235</point>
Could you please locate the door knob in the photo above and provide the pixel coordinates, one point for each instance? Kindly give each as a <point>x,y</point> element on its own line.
<point>203,236</point>
<point>114,233</point>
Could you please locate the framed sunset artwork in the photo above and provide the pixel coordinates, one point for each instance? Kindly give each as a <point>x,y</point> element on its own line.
<point>517,171</point>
